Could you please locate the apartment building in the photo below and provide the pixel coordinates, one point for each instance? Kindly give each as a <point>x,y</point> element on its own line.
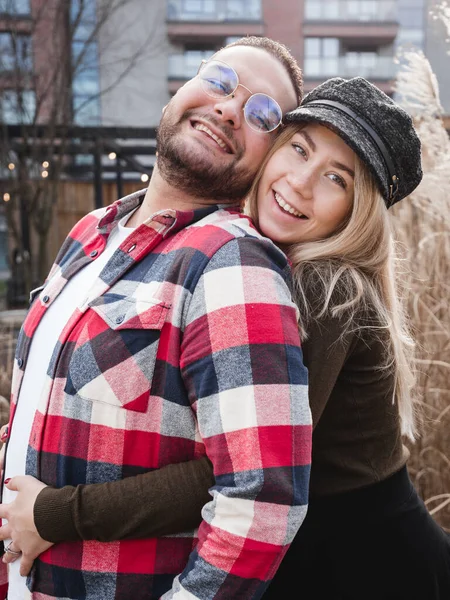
<point>348,39</point>
<point>130,65</point>
<point>328,37</point>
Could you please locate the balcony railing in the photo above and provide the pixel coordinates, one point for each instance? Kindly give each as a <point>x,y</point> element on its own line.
<point>351,10</point>
<point>382,68</point>
<point>214,10</point>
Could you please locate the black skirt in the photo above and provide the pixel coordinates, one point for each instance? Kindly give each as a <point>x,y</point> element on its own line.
<point>377,543</point>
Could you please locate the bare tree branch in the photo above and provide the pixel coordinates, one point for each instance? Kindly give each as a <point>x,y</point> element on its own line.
<point>57,28</point>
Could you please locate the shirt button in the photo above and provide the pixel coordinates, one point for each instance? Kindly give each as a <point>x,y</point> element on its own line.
<point>131,248</point>
<point>46,299</point>
<point>120,319</point>
<point>20,362</point>
<point>93,254</point>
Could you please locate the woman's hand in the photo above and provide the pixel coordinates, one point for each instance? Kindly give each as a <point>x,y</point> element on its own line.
<point>20,527</point>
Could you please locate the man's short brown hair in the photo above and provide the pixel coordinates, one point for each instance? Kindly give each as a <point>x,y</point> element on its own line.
<point>281,53</point>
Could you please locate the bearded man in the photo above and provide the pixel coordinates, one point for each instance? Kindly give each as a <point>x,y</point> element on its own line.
<point>165,332</point>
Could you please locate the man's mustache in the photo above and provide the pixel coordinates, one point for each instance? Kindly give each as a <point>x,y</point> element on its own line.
<point>227,130</point>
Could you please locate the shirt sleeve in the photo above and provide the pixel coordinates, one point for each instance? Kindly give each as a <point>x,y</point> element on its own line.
<point>162,502</point>
<point>243,369</point>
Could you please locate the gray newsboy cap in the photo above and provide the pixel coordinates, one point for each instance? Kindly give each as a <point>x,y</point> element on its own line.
<point>373,125</point>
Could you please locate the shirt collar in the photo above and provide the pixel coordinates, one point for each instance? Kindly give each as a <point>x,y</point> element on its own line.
<point>175,219</point>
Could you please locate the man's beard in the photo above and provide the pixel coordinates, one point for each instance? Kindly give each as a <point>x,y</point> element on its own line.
<point>186,170</point>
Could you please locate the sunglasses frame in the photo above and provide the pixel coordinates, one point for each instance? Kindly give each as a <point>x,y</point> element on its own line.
<point>231,94</point>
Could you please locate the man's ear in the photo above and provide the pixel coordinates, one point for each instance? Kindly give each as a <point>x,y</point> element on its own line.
<point>164,109</point>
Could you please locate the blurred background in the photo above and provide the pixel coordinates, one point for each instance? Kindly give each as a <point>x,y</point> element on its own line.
<point>82,86</point>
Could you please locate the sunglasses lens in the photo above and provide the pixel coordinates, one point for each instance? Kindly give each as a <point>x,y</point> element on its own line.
<point>262,113</point>
<point>218,79</point>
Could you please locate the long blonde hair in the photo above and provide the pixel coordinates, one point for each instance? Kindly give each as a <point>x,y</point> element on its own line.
<point>353,276</point>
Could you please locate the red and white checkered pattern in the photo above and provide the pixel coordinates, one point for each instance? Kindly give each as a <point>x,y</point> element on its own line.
<point>186,345</point>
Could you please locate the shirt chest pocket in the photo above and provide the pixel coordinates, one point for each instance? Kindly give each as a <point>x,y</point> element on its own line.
<point>116,363</point>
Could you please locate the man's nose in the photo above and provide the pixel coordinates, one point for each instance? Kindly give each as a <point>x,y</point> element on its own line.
<point>230,109</point>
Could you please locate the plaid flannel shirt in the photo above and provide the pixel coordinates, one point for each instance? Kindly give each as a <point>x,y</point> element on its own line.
<point>187,344</point>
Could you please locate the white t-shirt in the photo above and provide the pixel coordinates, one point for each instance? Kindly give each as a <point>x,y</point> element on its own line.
<point>41,349</point>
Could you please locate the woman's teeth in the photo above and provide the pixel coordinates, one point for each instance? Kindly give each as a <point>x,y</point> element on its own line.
<point>287,207</point>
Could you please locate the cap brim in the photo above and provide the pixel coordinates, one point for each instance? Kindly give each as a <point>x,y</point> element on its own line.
<point>351,132</point>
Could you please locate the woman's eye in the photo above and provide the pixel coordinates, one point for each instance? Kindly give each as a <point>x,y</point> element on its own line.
<point>338,179</point>
<point>299,149</point>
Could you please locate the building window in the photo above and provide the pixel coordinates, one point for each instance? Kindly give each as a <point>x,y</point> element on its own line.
<point>232,38</point>
<point>360,64</point>
<point>17,107</point>
<point>15,7</point>
<point>350,10</point>
<point>192,10</point>
<point>199,6</point>
<point>410,37</point>
<point>237,9</point>
<point>363,9</point>
<point>329,57</point>
<point>86,110</point>
<point>412,18</point>
<point>85,77</point>
<point>412,14</point>
<point>15,52</point>
<point>213,10</point>
<point>185,66</point>
<point>321,57</point>
<point>316,9</point>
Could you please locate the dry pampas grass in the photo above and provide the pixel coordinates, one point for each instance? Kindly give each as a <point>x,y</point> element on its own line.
<point>422,223</point>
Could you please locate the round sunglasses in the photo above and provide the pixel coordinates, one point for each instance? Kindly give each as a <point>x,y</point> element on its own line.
<point>262,113</point>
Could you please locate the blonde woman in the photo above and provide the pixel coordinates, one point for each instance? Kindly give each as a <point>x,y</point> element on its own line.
<point>346,155</point>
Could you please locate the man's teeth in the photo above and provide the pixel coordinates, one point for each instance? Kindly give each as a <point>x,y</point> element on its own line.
<point>215,137</point>
<point>287,207</point>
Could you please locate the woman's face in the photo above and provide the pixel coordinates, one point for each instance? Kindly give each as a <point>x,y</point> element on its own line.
<point>307,187</point>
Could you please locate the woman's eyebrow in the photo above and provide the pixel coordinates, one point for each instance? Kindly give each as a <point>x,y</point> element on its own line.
<point>308,138</point>
<point>343,167</point>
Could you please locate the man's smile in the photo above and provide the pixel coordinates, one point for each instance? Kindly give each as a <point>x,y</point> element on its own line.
<point>220,140</point>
